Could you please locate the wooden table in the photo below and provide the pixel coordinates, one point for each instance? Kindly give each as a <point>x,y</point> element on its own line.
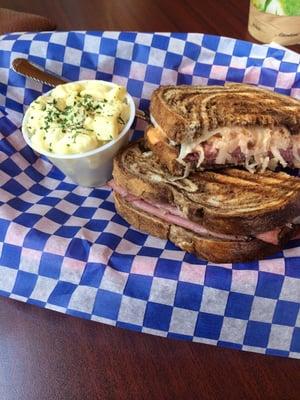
<point>48,356</point>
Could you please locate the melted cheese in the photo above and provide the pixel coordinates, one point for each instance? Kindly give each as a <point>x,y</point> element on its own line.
<point>255,144</point>
<point>261,146</point>
<point>155,135</point>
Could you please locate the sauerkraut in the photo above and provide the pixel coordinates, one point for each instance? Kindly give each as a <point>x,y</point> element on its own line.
<point>260,148</point>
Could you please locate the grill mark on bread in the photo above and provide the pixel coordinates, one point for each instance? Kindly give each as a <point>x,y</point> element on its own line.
<point>184,112</point>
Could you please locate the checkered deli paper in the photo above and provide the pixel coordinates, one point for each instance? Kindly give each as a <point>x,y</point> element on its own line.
<point>63,247</point>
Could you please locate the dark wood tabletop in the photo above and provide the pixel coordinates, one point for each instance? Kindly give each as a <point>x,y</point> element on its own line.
<point>45,355</point>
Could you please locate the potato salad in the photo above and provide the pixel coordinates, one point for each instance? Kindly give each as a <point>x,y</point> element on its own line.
<point>77,117</point>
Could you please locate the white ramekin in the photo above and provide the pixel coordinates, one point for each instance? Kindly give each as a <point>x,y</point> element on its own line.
<point>92,168</point>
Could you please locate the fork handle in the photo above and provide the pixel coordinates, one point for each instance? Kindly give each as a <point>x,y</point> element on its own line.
<point>32,71</point>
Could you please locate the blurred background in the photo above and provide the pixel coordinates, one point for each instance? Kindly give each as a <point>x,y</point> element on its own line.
<point>220,17</point>
<point>142,15</point>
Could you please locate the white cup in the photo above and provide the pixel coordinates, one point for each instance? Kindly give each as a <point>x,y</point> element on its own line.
<point>92,168</point>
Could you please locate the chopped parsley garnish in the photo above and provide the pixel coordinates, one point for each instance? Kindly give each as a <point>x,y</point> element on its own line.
<point>63,118</point>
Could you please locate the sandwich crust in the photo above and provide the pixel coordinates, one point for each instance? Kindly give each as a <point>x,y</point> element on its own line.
<point>230,201</point>
<point>212,249</point>
<point>185,112</point>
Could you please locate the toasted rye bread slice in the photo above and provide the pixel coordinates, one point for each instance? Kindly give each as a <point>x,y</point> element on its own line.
<point>229,201</point>
<point>209,248</point>
<point>185,112</point>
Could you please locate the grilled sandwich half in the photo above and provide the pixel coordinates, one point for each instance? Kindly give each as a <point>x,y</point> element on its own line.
<point>228,215</point>
<point>207,127</point>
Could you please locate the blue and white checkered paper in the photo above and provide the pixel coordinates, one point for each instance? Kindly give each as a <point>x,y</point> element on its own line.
<point>64,247</point>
